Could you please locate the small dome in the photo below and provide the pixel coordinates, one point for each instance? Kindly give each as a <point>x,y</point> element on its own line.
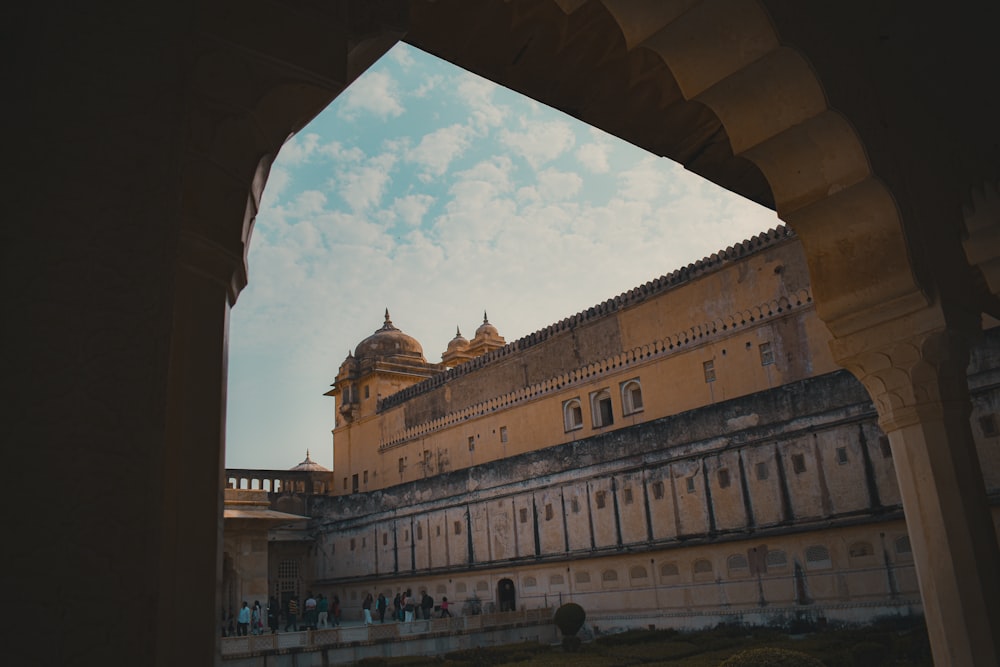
<point>459,342</point>
<point>486,329</point>
<point>309,464</point>
<point>388,342</point>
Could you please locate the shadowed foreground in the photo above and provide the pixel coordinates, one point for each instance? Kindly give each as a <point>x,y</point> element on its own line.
<point>886,643</point>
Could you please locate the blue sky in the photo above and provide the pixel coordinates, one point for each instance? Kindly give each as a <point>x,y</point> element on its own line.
<point>437,194</point>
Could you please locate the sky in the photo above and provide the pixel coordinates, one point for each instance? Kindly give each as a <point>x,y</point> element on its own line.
<point>439,195</point>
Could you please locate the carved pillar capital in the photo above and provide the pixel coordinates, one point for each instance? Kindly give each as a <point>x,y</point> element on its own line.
<point>914,367</point>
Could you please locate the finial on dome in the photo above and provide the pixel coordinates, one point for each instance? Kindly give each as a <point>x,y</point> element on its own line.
<point>307,455</point>
<point>458,332</point>
<point>484,318</point>
<point>387,325</point>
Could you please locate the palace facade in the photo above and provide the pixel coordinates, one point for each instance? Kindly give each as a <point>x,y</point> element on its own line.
<point>683,454</point>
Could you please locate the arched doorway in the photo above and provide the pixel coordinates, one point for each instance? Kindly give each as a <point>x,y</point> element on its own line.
<point>506,595</point>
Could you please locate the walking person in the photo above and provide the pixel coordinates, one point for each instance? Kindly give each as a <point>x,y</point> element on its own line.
<point>366,607</point>
<point>292,614</point>
<point>310,611</point>
<point>243,620</point>
<point>444,607</point>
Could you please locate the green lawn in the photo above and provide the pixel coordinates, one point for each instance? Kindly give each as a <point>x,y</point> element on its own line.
<point>885,644</point>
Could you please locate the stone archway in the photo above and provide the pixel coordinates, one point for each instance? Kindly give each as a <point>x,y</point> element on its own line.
<point>822,113</point>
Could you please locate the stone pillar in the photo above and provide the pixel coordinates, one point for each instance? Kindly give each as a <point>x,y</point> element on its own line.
<point>915,370</point>
<point>189,567</point>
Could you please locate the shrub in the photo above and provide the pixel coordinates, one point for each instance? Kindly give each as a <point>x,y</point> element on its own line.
<point>771,657</point>
<point>569,619</point>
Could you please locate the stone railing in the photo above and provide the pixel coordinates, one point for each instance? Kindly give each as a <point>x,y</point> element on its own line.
<point>383,632</point>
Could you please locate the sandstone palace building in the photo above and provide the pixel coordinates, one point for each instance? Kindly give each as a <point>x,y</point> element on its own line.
<point>684,454</point>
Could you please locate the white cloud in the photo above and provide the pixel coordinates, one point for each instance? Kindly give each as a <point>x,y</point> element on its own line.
<point>376,93</point>
<point>558,185</point>
<point>539,142</point>
<point>363,187</point>
<point>646,181</point>
<point>477,94</point>
<point>412,208</point>
<point>594,157</point>
<point>297,149</point>
<point>436,150</point>
<point>402,54</point>
<point>427,85</point>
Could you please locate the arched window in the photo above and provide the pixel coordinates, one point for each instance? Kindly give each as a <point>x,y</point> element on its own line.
<point>600,408</point>
<point>572,414</point>
<point>638,572</point>
<point>818,558</point>
<point>609,576</point>
<point>582,577</point>
<point>530,582</point>
<point>702,566</point>
<point>482,586</point>
<point>631,397</point>
<point>460,587</point>
<point>669,570</point>
<point>441,590</point>
<point>556,580</point>
<point>737,565</point>
<point>776,560</point>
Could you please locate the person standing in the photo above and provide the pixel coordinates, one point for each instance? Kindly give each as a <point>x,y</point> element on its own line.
<point>380,604</point>
<point>444,607</point>
<point>255,623</point>
<point>397,607</point>
<point>408,606</point>
<point>366,607</point>
<point>310,613</point>
<point>292,614</point>
<point>336,610</point>
<point>272,614</point>
<point>426,605</point>
<point>243,620</point>
<point>323,608</point>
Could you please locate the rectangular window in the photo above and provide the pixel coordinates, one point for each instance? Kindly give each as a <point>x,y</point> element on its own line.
<point>420,531</point>
<point>472,443</point>
<point>345,484</point>
<point>366,391</point>
<point>766,354</point>
<point>690,484</point>
<point>762,471</point>
<point>364,542</point>
<point>427,457</point>
<point>841,455</point>
<point>574,506</point>
<point>402,466</point>
<point>365,477</point>
<point>523,513</point>
<point>458,527</point>
<point>627,495</point>
<point>406,535</point>
<point>600,500</point>
<point>385,539</point>
<point>658,490</point>
<point>548,512</point>
<point>798,463</point>
<point>503,434</point>
<point>352,544</point>
<point>723,478</point>
<point>438,530</point>
<point>709,367</point>
<point>354,483</point>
